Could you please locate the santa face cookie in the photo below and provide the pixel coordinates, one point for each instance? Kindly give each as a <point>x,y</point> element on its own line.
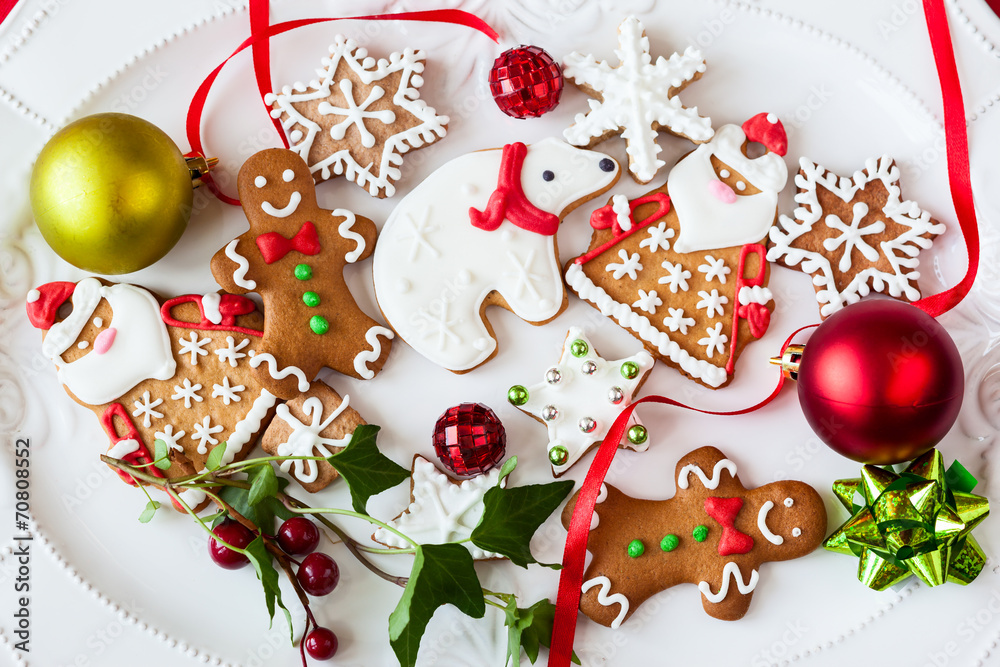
<point>360,117</point>
<point>294,257</point>
<point>480,231</point>
<point>177,372</point>
<point>316,423</point>
<point>854,235</point>
<point>714,533</point>
<point>637,98</point>
<point>683,267</point>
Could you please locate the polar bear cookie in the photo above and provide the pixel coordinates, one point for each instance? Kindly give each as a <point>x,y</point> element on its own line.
<point>481,231</point>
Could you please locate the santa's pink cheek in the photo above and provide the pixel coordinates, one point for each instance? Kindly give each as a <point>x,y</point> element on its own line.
<point>104,340</point>
<point>722,192</point>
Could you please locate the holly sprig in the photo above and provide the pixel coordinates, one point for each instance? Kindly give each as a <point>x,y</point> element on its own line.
<point>441,573</point>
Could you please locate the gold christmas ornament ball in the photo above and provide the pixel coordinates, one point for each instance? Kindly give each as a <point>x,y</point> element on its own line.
<point>111,193</point>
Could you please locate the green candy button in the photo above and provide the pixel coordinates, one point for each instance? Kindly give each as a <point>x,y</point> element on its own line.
<point>669,543</point>
<point>318,324</point>
<point>303,271</point>
<point>700,533</point>
<point>636,548</point>
<point>311,299</point>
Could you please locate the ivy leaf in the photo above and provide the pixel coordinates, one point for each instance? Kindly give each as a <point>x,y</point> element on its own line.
<point>265,484</point>
<point>442,574</point>
<point>528,629</point>
<point>367,471</point>
<point>268,576</point>
<point>147,514</point>
<point>261,515</point>
<point>161,455</point>
<point>506,469</point>
<point>215,456</point>
<point>512,515</point>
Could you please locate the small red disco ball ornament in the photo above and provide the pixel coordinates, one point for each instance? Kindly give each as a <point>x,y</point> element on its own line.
<point>526,82</point>
<point>880,382</point>
<point>469,439</point>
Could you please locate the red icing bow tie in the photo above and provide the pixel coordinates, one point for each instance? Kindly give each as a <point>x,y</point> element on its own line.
<point>724,511</point>
<point>273,246</point>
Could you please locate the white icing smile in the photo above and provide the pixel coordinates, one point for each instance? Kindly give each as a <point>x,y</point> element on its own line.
<point>762,524</point>
<point>293,204</point>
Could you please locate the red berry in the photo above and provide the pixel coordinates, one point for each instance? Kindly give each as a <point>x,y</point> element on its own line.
<point>318,574</point>
<point>232,533</point>
<point>321,644</point>
<point>297,536</point>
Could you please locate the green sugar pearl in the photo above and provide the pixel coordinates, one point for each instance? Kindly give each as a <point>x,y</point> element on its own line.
<point>303,271</point>
<point>629,370</point>
<point>700,533</point>
<point>669,543</point>
<point>579,348</point>
<point>635,548</point>
<point>517,395</point>
<point>311,299</point>
<point>318,324</point>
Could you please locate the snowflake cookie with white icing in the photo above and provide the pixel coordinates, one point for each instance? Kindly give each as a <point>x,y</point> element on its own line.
<point>316,423</point>
<point>441,509</point>
<point>683,267</point>
<point>714,533</point>
<point>360,116</point>
<point>176,371</point>
<point>854,235</point>
<point>637,98</point>
<point>294,256</point>
<point>580,397</point>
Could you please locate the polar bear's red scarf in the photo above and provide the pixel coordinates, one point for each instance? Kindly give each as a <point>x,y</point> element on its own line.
<point>509,202</point>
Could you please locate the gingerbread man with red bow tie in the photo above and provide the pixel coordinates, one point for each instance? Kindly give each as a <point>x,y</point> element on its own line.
<point>294,257</point>
<point>714,533</point>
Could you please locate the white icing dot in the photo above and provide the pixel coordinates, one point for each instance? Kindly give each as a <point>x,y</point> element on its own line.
<point>98,322</point>
<point>82,344</point>
<point>772,119</point>
<point>741,186</point>
<point>796,532</point>
<point>295,136</point>
<point>33,296</point>
<point>260,181</point>
<point>403,286</point>
<point>724,173</point>
<point>287,175</point>
<point>789,502</point>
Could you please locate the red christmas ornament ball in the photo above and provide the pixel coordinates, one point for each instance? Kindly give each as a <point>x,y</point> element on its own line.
<point>526,82</point>
<point>469,439</point>
<point>881,382</point>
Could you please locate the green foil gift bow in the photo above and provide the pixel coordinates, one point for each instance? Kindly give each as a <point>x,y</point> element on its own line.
<point>918,522</point>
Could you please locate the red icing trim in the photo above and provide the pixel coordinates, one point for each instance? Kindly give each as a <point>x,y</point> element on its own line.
<point>140,456</point>
<point>273,246</point>
<point>42,312</point>
<point>605,217</point>
<point>724,511</point>
<point>758,317</point>
<point>230,306</point>
<point>763,131</point>
<point>509,202</point>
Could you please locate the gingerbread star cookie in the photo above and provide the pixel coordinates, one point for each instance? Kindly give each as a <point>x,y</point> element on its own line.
<point>360,116</point>
<point>854,235</point>
<point>580,397</point>
<point>636,99</point>
<point>714,533</point>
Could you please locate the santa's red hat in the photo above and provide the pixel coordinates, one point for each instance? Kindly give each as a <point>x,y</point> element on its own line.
<point>43,303</point>
<point>766,129</point>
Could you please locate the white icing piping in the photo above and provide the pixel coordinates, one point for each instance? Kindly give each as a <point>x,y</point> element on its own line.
<point>288,209</point>
<point>210,305</point>
<point>242,266</point>
<point>710,483</point>
<point>602,495</point>
<point>249,425</point>
<point>731,570</point>
<point>344,229</point>
<point>606,600</point>
<point>123,448</point>
<point>86,296</point>
<point>281,373</point>
<point>364,357</point>
<point>762,524</point>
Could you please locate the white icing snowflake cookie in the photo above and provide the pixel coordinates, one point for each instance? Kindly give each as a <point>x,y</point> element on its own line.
<point>854,235</point>
<point>580,397</point>
<point>360,117</point>
<point>636,99</point>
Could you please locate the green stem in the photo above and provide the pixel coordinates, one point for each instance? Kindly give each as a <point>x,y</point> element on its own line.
<point>390,552</point>
<point>356,515</point>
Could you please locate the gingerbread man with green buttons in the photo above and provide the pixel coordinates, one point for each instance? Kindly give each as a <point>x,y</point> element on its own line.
<point>714,533</point>
<point>294,257</point>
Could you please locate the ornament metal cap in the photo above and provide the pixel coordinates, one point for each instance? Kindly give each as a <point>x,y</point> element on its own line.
<point>198,167</point>
<point>790,360</point>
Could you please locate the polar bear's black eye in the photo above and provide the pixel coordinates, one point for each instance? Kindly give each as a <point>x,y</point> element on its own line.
<point>607,164</point>
<point>547,175</point>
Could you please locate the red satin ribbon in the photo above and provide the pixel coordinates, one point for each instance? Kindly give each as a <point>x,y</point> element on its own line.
<point>6,7</point>
<point>259,20</point>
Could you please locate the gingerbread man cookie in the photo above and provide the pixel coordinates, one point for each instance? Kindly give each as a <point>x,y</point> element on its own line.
<point>714,533</point>
<point>294,256</point>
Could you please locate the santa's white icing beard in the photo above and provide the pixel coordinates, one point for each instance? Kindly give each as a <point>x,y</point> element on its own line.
<point>709,221</point>
<point>139,348</point>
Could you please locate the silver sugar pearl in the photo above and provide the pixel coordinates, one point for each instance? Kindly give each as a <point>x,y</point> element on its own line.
<point>549,413</point>
<point>589,367</point>
<point>616,395</point>
<point>587,425</point>
<point>553,376</point>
